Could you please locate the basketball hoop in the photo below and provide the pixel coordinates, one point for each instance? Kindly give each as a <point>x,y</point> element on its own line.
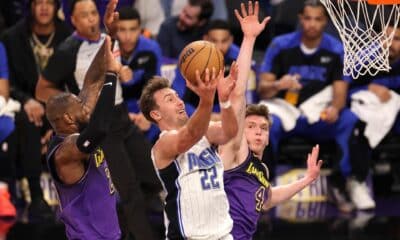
<point>362,27</point>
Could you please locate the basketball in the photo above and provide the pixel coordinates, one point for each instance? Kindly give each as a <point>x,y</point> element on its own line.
<point>199,55</point>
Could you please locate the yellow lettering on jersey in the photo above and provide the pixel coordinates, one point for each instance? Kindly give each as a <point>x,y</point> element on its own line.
<point>98,157</point>
<point>258,174</point>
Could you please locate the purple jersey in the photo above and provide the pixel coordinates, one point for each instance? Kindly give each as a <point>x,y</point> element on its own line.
<point>88,207</point>
<point>247,188</point>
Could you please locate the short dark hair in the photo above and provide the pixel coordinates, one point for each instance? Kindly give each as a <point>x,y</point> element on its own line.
<point>128,13</point>
<point>56,106</point>
<point>207,8</point>
<point>219,24</point>
<point>147,102</point>
<point>74,2</point>
<point>314,3</point>
<point>259,110</point>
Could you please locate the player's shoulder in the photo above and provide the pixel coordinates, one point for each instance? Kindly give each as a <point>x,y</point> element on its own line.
<point>165,138</point>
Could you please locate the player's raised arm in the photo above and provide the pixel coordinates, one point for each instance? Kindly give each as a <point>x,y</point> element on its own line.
<point>222,131</point>
<point>251,28</point>
<point>67,113</point>
<point>94,79</point>
<point>181,139</point>
<point>283,193</point>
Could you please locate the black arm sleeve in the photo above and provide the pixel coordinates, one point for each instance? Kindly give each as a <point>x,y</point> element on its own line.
<point>100,120</point>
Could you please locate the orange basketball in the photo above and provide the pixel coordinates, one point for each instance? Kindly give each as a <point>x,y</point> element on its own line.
<point>199,55</point>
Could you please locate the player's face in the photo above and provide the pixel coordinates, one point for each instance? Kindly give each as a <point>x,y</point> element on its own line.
<point>257,133</point>
<point>128,34</point>
<point>85,18</point>
<point>189,17</point>
<point>221,38</point>
<point>313,22</point>
<point>171,109</point>
<point>394,50</point>
<point>43,11</point>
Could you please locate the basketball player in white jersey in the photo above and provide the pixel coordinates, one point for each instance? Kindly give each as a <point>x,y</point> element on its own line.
<point>185,156</point>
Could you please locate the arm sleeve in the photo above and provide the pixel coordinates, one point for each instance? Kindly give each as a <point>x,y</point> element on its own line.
<point>100,120</point>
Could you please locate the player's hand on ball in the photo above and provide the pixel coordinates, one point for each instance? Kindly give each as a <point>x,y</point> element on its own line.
<point>226,85</point>
<point>249,23</point>
<point>205,87</point>
<point>313,164</point>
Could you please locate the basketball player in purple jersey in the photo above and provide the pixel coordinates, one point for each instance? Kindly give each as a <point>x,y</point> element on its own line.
<point>77,164</point>
<point>246,177</point>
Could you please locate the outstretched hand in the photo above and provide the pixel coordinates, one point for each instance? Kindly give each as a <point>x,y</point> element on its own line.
<point>111,17</point>
<point>226,85</point>
<point>112,64</point>
<point>313,164</point>
<point>248,19</point>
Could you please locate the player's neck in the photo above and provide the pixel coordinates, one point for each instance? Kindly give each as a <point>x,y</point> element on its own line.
<point>311,42</point>
<point>40,29</point>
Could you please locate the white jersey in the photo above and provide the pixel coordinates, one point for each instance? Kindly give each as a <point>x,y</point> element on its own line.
<point>196,203</point>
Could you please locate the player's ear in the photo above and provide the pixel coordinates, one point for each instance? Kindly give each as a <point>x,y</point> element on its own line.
<point>156,115</point>
<point>68,119</point>
<point>205,37</point>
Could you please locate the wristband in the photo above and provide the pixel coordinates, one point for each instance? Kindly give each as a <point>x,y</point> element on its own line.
<point>225,105</point>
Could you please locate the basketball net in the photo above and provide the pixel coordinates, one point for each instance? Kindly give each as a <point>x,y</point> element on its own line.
<point>362,28</point>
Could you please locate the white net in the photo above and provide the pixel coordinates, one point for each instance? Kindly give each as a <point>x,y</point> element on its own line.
<point>362,28</point>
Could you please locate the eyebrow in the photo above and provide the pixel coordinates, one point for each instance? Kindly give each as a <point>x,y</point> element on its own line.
<point>167,95</point>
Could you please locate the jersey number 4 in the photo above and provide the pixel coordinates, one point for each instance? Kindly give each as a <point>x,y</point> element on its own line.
<point>209,178</point>
<point>260,197</point>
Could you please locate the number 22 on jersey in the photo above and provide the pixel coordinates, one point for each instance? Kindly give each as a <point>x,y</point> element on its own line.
<point>209,179</point>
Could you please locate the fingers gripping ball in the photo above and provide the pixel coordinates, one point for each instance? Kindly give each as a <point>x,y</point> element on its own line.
<point>199,55</point>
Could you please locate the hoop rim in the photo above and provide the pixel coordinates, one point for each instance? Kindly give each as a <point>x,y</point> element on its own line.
<point>383,2</point>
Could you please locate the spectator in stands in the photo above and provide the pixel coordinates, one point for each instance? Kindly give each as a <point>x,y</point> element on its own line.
<point>369,93</point>
<point>141,58</point>
<point>176,32</point>
<point>7,145</point>
<point>219,33</point>
<point>174,7</point>
<point>151,15</point>
<point>127,152</point>
<point>29,44</point>
<point>298,67</point>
